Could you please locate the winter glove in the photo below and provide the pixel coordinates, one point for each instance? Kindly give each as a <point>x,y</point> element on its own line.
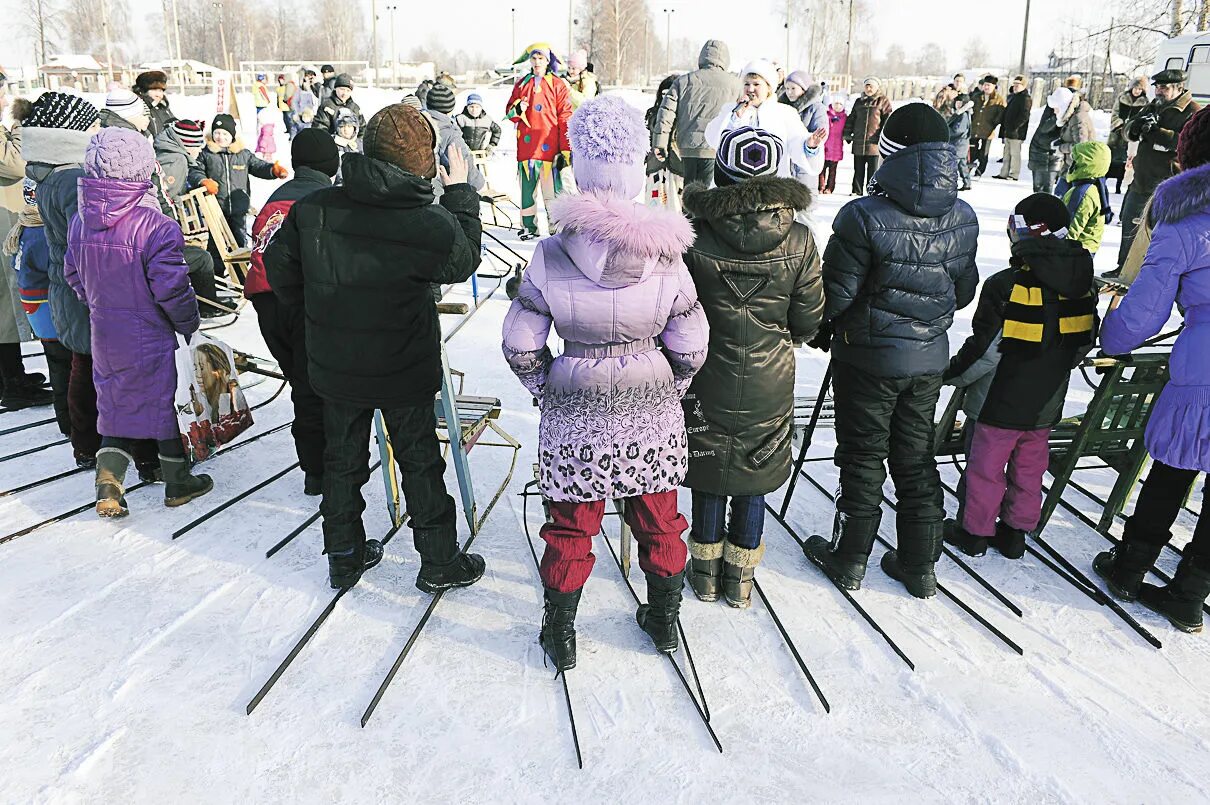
<point>211,186</point>
<point>823,338</point>
<point>279,171</point>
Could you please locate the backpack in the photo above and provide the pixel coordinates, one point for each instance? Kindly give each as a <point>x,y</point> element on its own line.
<point>1077,197</point>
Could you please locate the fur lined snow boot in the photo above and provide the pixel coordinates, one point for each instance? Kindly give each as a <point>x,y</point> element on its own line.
<point>112,464</point>
<point>739,572</point>
<point>705,569</point>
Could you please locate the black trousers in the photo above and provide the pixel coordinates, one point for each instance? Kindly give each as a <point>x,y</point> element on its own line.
<point>141,449</point>
<point>980,146</point>
<point>887,421</point>
<point>697,169</point>
<point>863,171</point>
<point>284,330</point>
<point>1156,509</point>
<point>413,433</point>
<point>201,272</point>
<point>58,366</point>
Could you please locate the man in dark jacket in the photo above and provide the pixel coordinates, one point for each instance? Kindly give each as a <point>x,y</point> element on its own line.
<point>690,103</point>
<point>863,129</point>
<point>327,82</point>
<point>1015,368</point>
<point>986,114</point>
<point>898,265</point>
<point>359,259</point>
<point>1155,129</point>
<point>341,98</point>
<point>315,159</point>
<point>1014,126</point>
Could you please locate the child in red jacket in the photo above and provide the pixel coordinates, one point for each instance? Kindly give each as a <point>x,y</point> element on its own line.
<point>540,106</point>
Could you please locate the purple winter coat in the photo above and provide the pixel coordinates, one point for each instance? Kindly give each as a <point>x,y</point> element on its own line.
<point>1176,269</point>
<point>125,260</point>
<point>614,286</point>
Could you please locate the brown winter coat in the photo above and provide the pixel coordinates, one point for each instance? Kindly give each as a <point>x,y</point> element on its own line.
<point>864,124</point>
<point>986,115</point>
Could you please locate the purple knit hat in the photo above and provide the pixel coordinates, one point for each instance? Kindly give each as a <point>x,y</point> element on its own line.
<point>609,144</point>
<point>118,153</point>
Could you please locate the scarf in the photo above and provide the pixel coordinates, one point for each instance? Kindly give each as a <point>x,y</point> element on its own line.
<point>27,217</point>
<point>1025,316</point>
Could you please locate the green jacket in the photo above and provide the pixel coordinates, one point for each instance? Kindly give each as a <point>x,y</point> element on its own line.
<point>1089,161</point>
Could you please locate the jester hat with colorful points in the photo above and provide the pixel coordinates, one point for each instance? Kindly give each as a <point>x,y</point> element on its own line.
<point>553,63</point>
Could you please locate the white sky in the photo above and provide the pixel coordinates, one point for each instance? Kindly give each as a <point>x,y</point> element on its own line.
<point>752,28</point>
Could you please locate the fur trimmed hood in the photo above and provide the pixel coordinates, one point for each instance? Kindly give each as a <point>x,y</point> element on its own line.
<point>1185,194</point>
<point>616,242</point>
<point>752,195</point>
<point>236,146</point>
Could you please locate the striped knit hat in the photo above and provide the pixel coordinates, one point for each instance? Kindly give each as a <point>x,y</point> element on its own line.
<point>909,125</point>
<point>125,104</point>
<point>745,153</point>
<point>192,133</point>
<point>58,110</point>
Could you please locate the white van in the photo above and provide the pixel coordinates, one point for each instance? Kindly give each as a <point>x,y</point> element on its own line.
<point>1192,54</point>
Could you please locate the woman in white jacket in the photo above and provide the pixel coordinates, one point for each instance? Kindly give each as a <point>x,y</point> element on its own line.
<point>757,107</point>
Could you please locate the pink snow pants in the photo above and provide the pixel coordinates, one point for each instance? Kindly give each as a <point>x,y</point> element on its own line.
<point>1004,478</point>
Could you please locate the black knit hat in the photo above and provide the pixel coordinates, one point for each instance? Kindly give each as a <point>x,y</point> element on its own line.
<point>912,124</point>
<point>225,122</point>
<point>327,68</point>
<point>746,153</point>
<point>1043,208</point>
<point>440,99</point>
<point>344,80</point>
<point>315,148</point>
<point>59,110</point>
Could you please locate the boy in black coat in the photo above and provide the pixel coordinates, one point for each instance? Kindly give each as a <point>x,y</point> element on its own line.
<point>359,259</point>
<point>898,265</point>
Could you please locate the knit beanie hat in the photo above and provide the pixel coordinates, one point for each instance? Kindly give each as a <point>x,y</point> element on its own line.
<point>411,100</point>
<point>578,60</point>
<point>474,97</point>
<point>1060,99</point>
<point>873,81</point>
<point>224,122</point>
<point>118,153</point>
<point>764,69</point>
<point>1193,145</point>
<point>191,133</point>
<point>344,80</point>
<point>58,110</point>
<point>125,104</point>
<point>315,148</point>
<point>801,78</point>
<point>912,124</point>
<point>440,99</point>
<point>152,79</point>
<point>1038,216</point>
<point>610,142</point>
<point>402,135</point>
<point>745,153</point>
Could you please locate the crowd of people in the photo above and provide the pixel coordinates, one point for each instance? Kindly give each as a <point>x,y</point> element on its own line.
<point>679,331</point>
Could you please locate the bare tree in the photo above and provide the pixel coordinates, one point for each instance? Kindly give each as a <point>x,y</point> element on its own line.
<point>86,27</point>
<point>819,31</point>
<point>42,23</point>
<point>931,60</point>
<point>616,37</point>
<point>975,53</point>
<point>1178,17</point>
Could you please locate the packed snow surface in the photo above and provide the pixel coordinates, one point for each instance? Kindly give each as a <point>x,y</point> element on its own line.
<point>127,658</point>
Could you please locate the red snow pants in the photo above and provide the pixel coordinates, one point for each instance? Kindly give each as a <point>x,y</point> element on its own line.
<point>654,519</point>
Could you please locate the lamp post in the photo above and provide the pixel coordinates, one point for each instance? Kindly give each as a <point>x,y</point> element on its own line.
<point>105,25</point>
<point>394,53</point>
<point>668,12</point>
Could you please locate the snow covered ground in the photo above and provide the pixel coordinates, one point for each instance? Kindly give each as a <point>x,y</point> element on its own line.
<point>127,658</point>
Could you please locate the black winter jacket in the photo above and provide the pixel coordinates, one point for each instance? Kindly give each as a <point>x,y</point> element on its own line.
<point>899,263</point>
<point>1043,156</point>
<point>1013,390</point>
<point>330,107</point>
<point>57,201</point>
<point>360,258</point>
<point>480,133</point>
<point>1156,157</point>
<point>230,167</point>
<point>757,277</point>
<point>1014,125</point>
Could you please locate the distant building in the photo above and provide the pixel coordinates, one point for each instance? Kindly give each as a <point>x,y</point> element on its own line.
<point>79,72</point>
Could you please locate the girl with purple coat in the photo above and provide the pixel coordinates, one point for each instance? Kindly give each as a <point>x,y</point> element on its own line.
<point>614,287</point>
<point>125,260</point>
<point>1175,271</point>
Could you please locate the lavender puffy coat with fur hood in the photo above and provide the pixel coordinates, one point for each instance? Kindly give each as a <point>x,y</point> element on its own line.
<point>1176,270</point>
<point>611,427</point>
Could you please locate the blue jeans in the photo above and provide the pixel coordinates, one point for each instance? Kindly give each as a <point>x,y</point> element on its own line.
<point>745,528</point>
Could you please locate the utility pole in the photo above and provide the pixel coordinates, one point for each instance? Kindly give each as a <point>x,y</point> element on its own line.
<point>571,45</point>
<point>513,11</point>
<point>1024,38</point>
<point>394,53</point>
<point>668,12</point>
<point>647,50</point>
<point>108,49</point>
<point>180,67</point>
<point>222,34</point>
<point>374,41</point>
<point>787,62</point>
<point>848,53</point>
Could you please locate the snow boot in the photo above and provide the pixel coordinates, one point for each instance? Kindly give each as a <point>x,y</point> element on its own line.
<point>913,563</point>
<point>112,464</point>
<point>658,617</point>
<point>1181,601</point>
<point>345,567</point>
<point>844,559</point>
<point>558,635</point>
<point>1124,565</point>
<point>313,484</point>
<point>1009,541</point>
<point>84,462</point>
<point>963,540</point>
<point>149,472</point>
<point>443,565</point>
<point>179,486</point>
<point>25,391</point>
<point>705,568</point>
<point>739,573</point>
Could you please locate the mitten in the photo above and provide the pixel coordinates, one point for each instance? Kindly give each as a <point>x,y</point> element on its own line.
<point>279,171</point>
<point>211,186</point>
